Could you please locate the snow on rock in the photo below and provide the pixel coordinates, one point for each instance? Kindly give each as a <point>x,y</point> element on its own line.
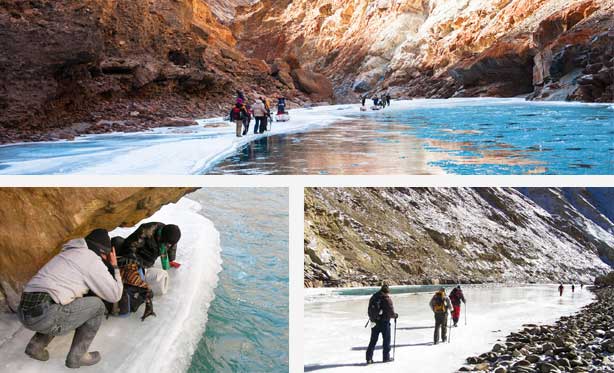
<point>336,339</point>
<point>433,235</point>
<point>159,344</point>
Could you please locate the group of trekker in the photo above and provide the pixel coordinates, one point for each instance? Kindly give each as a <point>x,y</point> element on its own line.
<point>243,111</point>
<point>380,101</point>
<point>573,288</point>
<point>381,311</point>
<point>91,277</point>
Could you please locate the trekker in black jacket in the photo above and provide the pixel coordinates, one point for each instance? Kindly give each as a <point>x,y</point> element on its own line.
<point>144,245</point>
<point>381,310</point>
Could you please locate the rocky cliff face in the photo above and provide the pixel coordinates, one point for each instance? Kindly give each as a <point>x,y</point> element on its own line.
<point>440,48</point>
<point>362,236</point>
<point>93,66</point>
<point>37,221</point>
<point>104,65</point>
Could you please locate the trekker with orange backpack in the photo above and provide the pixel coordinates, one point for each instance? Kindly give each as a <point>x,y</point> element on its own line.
<point>440,304</point>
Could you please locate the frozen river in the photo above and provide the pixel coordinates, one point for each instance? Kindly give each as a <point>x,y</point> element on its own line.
<point>480,136</point>
<point>336,339</point>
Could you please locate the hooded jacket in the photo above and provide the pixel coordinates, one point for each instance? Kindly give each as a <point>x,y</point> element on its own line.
<point>259,109</point>
<point>143,246</point>
<point>73,273</point>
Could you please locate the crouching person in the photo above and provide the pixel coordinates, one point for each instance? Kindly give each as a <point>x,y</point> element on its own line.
<point>136,292</point>
<point>54,303</point>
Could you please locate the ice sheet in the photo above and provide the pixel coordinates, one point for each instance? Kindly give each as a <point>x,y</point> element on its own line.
<point>336,340</point>
<point>159,344</point>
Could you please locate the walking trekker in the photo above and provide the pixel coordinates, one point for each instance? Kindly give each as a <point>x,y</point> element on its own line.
<point>363,99</point>
<point>573,288</point>
<point>54,301</point>
<point>456,297</point>
<point>260,114</point>
<point>247,119</point>
<point>381,310</point>
<point>388,99</point>
<point>237,113</point>
<point>561,290</point>
<point>267,106</point>
<point>440,305</point>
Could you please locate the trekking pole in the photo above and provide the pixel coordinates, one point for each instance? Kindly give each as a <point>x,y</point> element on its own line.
<point>394,346</point>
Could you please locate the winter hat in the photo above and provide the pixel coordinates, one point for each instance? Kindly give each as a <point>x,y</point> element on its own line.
<point>385,289</point>
<point>458,287</point>
<point>170,234</point>
<point>442,289</point>
<point>99,241</point>
<point>239,101</point>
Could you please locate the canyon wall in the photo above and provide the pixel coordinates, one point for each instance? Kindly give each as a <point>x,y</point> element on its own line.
<point>442,48</point>
<point>36,222</point>
<point>363,236</point>
<point>92,66</point>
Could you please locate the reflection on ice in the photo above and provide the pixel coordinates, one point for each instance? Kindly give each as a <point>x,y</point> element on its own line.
<point>458,136</point>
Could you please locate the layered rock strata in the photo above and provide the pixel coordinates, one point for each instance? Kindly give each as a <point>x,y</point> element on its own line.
<point>363,236</point>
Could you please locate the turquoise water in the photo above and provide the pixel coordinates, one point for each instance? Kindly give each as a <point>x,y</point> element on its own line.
<point>247,330</point>
<point>467,137</point>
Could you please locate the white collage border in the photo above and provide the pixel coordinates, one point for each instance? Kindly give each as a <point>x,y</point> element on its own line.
<point>296,185</point>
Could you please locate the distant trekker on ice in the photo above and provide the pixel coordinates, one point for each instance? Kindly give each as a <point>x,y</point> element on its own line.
<point>380,311</point>
<point>560,290</point>
<point>440,304</point>
<point>573,288</point>
<point>456,297</point>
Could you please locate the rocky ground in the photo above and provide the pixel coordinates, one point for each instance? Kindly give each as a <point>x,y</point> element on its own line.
<point>583,342</point>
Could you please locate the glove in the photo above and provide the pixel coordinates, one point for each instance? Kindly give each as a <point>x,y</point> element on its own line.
<point>175,264</point>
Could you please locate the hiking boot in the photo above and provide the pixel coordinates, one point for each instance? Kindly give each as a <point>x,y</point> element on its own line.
<point>388,360</point>
<point>89,358</point>
<point>78,355</point>
<point>369,362</point>
<point>436,342</point>
<point>36,347</point>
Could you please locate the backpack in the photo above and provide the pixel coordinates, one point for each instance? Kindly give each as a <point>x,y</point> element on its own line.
<point>236,113</point>
<point>439,305</point>
<point>375,307</point>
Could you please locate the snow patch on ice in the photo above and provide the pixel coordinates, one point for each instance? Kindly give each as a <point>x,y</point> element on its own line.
<point>159,344</point>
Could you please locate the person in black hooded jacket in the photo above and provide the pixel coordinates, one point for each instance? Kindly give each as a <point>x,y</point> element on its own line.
<point>144,244</point>
<point>382,323</point>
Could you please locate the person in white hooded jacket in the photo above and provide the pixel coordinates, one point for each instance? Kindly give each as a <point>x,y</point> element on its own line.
<point>55,301</point>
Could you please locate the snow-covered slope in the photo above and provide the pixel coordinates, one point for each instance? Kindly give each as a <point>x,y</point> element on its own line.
<point>360,236</point>
<point>159,344</point>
